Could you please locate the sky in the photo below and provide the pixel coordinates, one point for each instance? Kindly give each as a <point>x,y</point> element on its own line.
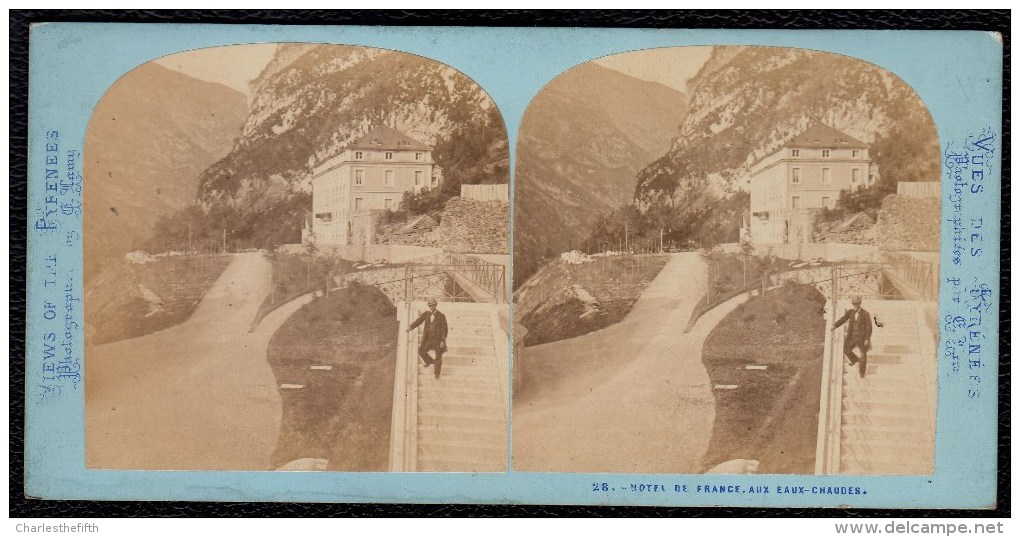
<point>671,66</point>
<point>233,66</point>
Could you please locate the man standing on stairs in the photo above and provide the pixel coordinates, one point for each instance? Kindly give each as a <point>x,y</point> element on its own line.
<point>434,336</point>
<point>858,333</point>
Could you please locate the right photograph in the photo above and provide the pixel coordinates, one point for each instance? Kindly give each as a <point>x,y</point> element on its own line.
<point>726,260</point>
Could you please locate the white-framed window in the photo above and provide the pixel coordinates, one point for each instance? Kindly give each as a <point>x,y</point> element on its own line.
<point>417,178</point>
<point>795,152</point>
<point>795,175</point>
<point>854,153</point>
<point>358,155</point>
<point>388,203</point>
<point>825,153</point>
<point>389,155</point>
<point>388,178</point>
<point>826,202</point>
<point>796,202</point>
<point>359,177</point>
<point>417,156</point>
<point>855,176</point>
<point>359,203</point>
<point>435,180</point>
<point>826,176</point>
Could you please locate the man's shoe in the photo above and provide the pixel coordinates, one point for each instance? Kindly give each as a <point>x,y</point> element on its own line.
<point>862,373</point>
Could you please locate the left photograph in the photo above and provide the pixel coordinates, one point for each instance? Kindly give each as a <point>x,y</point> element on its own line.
<point>296,258</point>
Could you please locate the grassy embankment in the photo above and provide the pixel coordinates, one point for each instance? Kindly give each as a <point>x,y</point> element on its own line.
<point>298,274</point>
<point>772,415</point>
<point>552,310</point>
<point>341,414</point>
<point>132,300</point>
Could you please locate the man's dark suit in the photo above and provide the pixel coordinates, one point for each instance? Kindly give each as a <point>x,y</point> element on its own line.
<point>433,337</point>
<point>858,334</point>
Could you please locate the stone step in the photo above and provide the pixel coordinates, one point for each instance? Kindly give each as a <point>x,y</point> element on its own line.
<point>453,384</point>
<point>890,452</point>
<point>892,408</point>
<point>493,431</point>
<point>493,439</point>
<point>457,340</point>
<point>867,440</point>
<point>479,371</point>
<point>468,402</point>
<point>900,422</point>
<point>492,389</point>
<point>468,360</point>
<point>471,349</point>
<point>464,419</point>
<point>459,408</point>
<point>857,466</point>
<point>850,433</point>
<point>471,331</point>
<point>465,450</point>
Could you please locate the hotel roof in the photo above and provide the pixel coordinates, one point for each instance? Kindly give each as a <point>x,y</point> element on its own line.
<point>823,136</point>
<point>383,138</point>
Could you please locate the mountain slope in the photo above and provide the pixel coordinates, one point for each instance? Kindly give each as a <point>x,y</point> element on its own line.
<point>150,137</point>
<point>311,101</point>
<point>582,141</point>
<point>746,101</point>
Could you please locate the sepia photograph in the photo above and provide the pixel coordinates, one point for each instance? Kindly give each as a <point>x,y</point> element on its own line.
<point>439,267</point>
<point>726,261</point>
<point>296,257</point>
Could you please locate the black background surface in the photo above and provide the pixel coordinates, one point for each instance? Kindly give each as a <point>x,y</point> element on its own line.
<point>992,20</point>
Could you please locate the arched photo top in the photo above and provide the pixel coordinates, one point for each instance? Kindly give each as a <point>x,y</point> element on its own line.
<point>679,214</point>
<point>241,129</point>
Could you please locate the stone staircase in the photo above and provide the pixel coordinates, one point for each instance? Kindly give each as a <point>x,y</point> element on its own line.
<point>462,417</point>
<point>887,419</point>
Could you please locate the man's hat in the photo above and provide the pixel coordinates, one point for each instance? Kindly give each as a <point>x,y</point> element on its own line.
<point>856,299</point>
<point>432,302</point>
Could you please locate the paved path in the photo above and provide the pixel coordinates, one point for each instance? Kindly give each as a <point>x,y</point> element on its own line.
<point>199,395</point>
<point>640,403</point>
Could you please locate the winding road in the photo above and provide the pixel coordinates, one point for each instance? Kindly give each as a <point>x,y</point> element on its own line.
<point>196,396</point>
<point>638,401</point>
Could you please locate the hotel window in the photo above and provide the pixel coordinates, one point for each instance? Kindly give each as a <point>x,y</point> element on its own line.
<point>854,153</point>
<point>796,175</point>
<point>855,176</point>
<point>389,155</point>
<point>826,202</point>
<point>417,178</point>
<point>359,177</point>
<point>435,180</point>
<point>825,153</point>
<point>417,156</point>
<point>795,152</point>
<point>388,178</point>
<point>358,155</point>
<point>359,204</point>
<point>826,176</point>
<point>388,203</point>
<point>796,202</point>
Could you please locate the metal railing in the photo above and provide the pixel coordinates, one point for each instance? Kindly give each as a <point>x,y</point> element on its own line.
<point>919,274</point>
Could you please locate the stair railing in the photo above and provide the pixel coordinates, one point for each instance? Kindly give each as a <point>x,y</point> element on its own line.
<point>830,409</point>
<point>404,421</point>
